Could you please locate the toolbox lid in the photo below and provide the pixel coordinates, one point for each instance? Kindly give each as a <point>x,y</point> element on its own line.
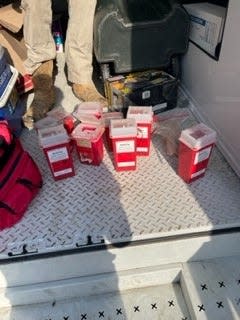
<point>52,136</point>
<point>121,128</point>
<point>198,136</point>
<point>142,114</point>
<point>87,131</point>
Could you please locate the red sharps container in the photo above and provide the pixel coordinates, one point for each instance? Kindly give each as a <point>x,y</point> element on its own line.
<point>89,143</point>
<point>144,120</point>
<point>56,146</point>
<point>123,133</point>
<point>107,117</point>
<point>195,147</point>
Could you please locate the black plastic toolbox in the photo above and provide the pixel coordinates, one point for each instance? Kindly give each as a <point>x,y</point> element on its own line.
<point>137,35</point>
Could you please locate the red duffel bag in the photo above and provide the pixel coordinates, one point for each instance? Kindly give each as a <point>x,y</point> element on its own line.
<point>20,178</point>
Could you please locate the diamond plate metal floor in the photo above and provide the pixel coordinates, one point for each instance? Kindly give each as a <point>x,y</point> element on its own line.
<point>148,203</point>
<point>102,203</point>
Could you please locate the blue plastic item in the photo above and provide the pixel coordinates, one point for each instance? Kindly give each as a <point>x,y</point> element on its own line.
<point>5,77</point>
<point>14,116</point>
<point>3,60</point>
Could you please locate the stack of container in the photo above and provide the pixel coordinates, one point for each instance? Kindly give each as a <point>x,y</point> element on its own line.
<point>55,143</point>
<point>195,148</point>
<point>131,137</point>
<point>83,130</point>
<point>88,135</point>
<point>89,143</point>
<point>123,133</point>
<point>107,117</point>
<point>144,120</point>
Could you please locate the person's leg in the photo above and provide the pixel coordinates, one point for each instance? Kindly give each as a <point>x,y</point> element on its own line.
<point>41,51</point>
<point>37,33</point>
<point>79,49</point>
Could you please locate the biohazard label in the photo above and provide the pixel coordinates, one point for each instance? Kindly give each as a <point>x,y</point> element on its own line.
<point>202,155</point>
<point>125,146</point>
<point>58,154</point>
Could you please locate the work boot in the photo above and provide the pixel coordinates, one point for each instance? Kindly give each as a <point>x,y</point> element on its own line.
<point>44,95</point>
<point>88,92</point>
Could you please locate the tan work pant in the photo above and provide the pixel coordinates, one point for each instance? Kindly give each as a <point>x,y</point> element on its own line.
<point>79,39</point>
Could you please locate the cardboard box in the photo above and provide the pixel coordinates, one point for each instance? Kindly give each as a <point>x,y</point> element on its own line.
<point>111,87</point>
<point>207,23</point>
<point>16,50</point>
<point>149,88</point>
<point>11,17</point>
<point>16,53</point>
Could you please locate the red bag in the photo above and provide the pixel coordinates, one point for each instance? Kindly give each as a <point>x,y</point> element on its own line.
<point>20,181</point>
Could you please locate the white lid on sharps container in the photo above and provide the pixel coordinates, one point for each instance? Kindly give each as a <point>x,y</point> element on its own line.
<point>142,114</point>
<point>198,136</point>
<point>121,128</point>
<point>52,136</point>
